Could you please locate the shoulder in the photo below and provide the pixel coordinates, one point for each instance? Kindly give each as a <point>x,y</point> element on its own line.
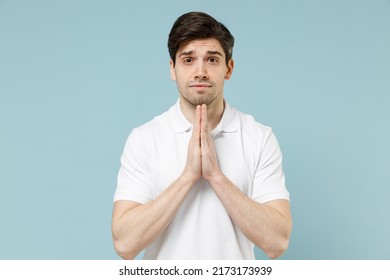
<point>251,128</point>
<point>158,124</point>
<point>148,133</point>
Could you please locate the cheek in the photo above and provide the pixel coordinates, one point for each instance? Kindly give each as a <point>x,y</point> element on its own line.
<point>181,77</point>
<point>178,79</point>
<point>221,80</point>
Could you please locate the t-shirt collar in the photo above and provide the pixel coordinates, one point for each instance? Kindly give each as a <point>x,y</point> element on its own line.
<point>227,123</point>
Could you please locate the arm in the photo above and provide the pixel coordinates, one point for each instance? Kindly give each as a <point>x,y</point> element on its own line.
<point>267,225</point>
<point>135,226</point>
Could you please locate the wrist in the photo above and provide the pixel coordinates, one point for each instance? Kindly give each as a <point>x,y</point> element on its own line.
<point>217,179</point>
<point>188,178</point>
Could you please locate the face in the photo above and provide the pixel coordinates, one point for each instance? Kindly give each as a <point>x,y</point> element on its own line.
<point>200,71</point>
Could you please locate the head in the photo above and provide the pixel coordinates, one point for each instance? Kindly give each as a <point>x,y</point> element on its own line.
<point>201,59</point>
<point>196,26</point>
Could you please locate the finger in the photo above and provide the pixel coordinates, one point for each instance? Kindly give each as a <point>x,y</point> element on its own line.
<point>196,128</point>
<point>198,118</point>
<point>204,135</point>
<point>204,117</point>
<point>199,114</point>
<point>195,124</point>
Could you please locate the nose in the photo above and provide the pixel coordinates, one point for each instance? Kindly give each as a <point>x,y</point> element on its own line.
<point>201,71</point>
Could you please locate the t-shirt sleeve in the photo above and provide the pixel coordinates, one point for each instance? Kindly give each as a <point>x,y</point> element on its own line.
<point>269,180</point>
<point>134,178</point>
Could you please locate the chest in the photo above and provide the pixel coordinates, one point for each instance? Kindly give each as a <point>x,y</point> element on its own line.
<point>168,158</point>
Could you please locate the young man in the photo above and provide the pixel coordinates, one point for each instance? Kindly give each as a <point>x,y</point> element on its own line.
<point>202,180</point>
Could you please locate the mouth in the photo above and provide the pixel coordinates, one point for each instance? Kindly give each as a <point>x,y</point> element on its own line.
<point>200,86</point>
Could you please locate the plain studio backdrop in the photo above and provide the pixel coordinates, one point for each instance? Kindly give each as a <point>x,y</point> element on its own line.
<point>77,76</point>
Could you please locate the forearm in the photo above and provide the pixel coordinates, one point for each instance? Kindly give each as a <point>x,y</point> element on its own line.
<point>135,228</point>
<point>267,227</point>
<point>139,226</point>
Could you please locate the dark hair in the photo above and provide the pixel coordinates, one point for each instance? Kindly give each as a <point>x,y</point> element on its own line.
<point>198,25</point>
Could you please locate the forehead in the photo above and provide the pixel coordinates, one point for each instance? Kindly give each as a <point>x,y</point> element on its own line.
<point>201,45</point>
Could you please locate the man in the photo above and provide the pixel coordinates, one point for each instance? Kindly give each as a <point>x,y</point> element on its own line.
<point>202,180</point>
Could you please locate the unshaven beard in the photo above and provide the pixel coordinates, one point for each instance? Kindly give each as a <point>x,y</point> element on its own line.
<point>200,101</point>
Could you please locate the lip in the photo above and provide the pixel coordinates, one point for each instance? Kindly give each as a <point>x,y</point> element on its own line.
<point>200,85</point>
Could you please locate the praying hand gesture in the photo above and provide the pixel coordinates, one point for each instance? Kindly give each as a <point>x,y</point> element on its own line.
<point>201,159</point>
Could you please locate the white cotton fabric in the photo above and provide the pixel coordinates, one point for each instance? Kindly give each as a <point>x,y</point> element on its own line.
<point>154,156</point>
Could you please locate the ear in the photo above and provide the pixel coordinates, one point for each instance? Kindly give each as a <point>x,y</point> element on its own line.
<point>172,69</point>
<point>230,67</point>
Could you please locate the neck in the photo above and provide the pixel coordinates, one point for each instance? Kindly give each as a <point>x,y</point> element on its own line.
<point>214,112</point>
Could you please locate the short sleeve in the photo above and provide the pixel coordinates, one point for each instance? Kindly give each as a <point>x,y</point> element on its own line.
<point>134,179</point>
<point>269,180</point>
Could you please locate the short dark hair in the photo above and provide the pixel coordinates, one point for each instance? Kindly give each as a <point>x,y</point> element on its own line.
<point>198,25</point>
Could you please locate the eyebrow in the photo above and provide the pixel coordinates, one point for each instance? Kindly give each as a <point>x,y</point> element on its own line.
<point>192,52</point>
<point>186,53</point>
<point>215,53</point>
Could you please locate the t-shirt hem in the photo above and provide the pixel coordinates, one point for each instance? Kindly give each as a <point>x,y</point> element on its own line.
<point>271,196</point>
<point>131,196</point>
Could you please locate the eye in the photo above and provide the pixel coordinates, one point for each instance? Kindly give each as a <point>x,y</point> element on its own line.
<point>212,60</point>
<point>188,60</point>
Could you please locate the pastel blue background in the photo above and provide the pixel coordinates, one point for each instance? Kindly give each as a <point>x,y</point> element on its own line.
<point>77,76</point>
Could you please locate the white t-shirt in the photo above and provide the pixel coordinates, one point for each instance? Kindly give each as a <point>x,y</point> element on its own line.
<point>154,156</point>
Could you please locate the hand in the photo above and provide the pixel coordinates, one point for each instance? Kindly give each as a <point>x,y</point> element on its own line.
<point>193,168</point>
<point>201,156</point>
<point>209,163</point>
